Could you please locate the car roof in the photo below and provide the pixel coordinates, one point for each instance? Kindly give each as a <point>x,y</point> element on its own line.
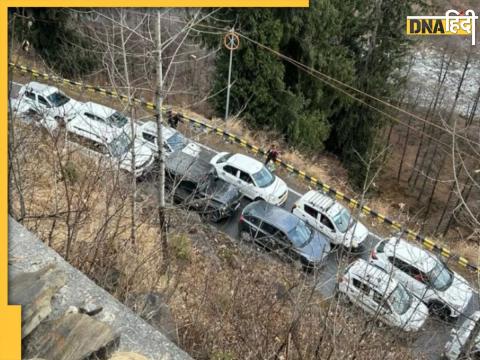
<point>151,128</point>
<point>376,277</point>
<point>318,200</point>
<point>40,88</point>
<point>86,127</point>
<point>411,254</point>
<point>245,163</point>
<point>187,166</point>
<point>98,109</point>
<point>275,215</point>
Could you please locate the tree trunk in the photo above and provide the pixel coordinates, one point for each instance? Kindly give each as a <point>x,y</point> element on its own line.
<point>431,110</point>
<point>133,204</point>
<point>450,193</point>
<point>464,193</point>
<point>405,144</point>
<point>159,94</point>
<point>399,103</point>
<point>474,109</point>
<point>448,121</point>
<point>434,188</point>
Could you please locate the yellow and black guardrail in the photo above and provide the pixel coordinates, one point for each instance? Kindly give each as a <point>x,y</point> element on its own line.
<point>412,235</point>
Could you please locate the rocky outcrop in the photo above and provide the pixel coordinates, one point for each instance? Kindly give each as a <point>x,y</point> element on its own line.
<point>34,291</point>
<point>71,337</point>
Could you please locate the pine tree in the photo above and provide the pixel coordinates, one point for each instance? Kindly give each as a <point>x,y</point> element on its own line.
<point>360,42</point>
<point>54,37</point>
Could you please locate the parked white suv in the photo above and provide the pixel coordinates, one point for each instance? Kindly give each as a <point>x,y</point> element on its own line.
<point>105,115</point>
<point>458,339</point>
<point>172,139</point>
<point>253,179</point>
<point>379,294</point>
<point>45,100</point>
<point>100,139</point>
<point>429,279</point>
<point>331,219</point>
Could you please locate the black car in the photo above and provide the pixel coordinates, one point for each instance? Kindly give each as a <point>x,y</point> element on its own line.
<point>277,229</point>
<point>193,183</point>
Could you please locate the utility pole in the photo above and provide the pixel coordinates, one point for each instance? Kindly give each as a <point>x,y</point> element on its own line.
<point>160,156</point>
<point>231,42</point>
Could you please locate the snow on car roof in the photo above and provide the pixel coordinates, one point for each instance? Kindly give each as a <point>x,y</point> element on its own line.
<point>245,163</point>
<point>403,250</point>
<point>98,109</point>
<point>42,89</point>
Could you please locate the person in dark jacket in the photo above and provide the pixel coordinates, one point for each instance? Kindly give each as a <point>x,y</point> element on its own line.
<point>272,154</point>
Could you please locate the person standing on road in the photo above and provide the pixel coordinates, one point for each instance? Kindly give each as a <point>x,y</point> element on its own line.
<point>272,154</point>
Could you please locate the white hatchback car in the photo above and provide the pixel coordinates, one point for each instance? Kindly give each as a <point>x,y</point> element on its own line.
<point>45,100</point>
<point>330,218</point>
<point>100,139</point>
<point>445,292</point>
<point>458,339</point>
<point>105,115</point>
<point>375,291</point>
<point>172,139</point>
<point>253,179</point>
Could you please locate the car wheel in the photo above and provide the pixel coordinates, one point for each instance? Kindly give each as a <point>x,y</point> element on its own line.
<point>258,199</point>
<point>438,309</point>
<point>245,236</point>
<point>212,216</point>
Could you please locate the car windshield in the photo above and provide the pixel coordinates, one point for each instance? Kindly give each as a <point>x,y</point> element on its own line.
<point>177,141</point>
<point>120,145</point>
<point>58,99</point>
<point>300,235</point>
<point>342,220</point>
<point>263,178</point>
<point>400,300</point>
<point>224,158</point>
<point>117,119</point>
<point>440,276</point>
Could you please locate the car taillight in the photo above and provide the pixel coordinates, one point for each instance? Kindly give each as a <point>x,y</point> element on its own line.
<point>241,218</point>
<point>373,254</point>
